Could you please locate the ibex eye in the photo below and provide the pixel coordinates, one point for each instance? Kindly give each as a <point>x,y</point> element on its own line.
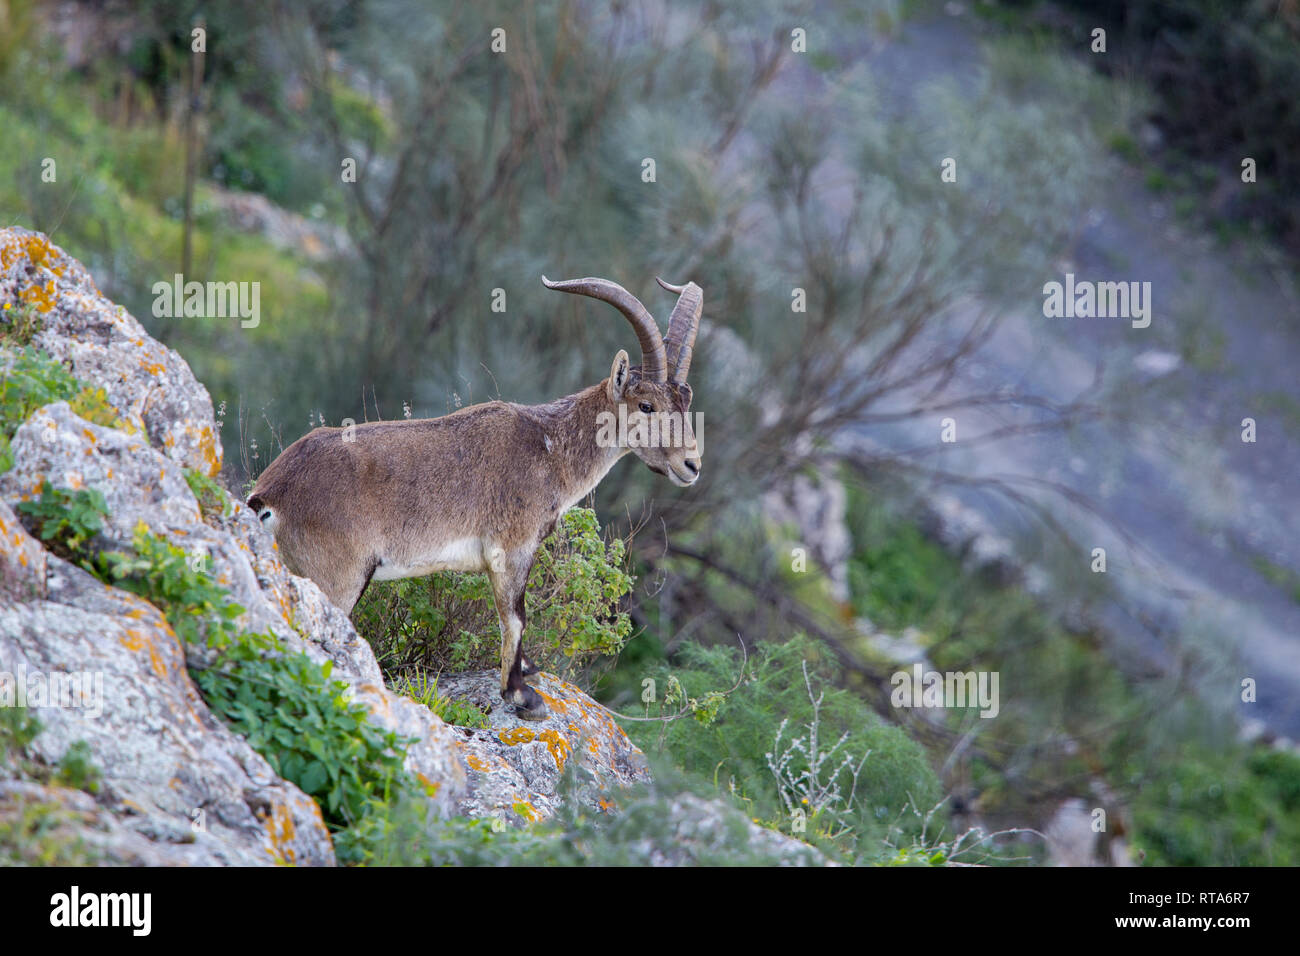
<point>645,407</point>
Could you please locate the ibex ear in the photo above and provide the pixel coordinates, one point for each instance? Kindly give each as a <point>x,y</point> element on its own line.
<point>618,376</point>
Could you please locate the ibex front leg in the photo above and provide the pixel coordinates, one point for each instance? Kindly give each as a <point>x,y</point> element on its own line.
<point>509,576</point>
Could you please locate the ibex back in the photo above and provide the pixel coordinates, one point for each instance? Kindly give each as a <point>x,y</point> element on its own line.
<point>478,490</point>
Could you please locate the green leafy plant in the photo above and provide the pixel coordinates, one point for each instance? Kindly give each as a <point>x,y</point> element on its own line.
<point>453,710</point>
<point>18,326</point>
<point>284,703</point>
<point>447,621</point>
<point>850,806</point>
<point>19,729</point>
<point>213,500</point>
<point>76,769</point>
<point>65,519</point>
<point>30,379</point>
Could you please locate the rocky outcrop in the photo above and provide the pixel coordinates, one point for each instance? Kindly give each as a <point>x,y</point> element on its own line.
<point>99,665</point>
<point>515,766</point>
<point>172,774</point>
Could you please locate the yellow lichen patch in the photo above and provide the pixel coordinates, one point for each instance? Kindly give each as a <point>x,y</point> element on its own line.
<point>555,704</point>
<point>526,810</point>
<point>280,831</point>
<point>208,449</point>
<point>477,763</point>
<point>40,296</point>
<point>133,641</point>
<point>557,745</point>
<point>430,787</point>
<point>520,735</point>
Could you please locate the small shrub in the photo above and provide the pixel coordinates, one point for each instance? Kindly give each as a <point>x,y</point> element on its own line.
<point>18,326</point>
<point>18,730</point>
<point>65,519</point>
<point>751,735</point>
<point>448,622</point>
<point>77,770</point>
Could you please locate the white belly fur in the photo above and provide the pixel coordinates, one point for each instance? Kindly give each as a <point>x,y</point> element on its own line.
<point>463,554</point>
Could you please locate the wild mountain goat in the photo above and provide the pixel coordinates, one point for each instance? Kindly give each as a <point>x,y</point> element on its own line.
<point>478,490</point>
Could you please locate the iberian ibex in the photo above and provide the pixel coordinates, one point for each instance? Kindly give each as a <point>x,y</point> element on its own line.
<point>479,489</point>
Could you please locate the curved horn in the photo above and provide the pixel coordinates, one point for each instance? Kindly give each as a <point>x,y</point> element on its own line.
<point>683,325</point>
<point>654,364</point>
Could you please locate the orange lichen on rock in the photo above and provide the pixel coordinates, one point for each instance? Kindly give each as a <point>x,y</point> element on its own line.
<point>557,745</point>
<point>280,831</point>
<point>520,735</point>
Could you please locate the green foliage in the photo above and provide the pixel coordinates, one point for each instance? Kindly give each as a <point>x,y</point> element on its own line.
<point>65,519</point>
<point>1217,808</point>
<point>453,710</point>
<point>284,703</point>
<point>574,590</point>
<point>447,621</point>
<point>1196,797</point>
<point>18,326</point>
<point>901,579</point>
<point>665,821</point>
<point>19,730</point>
<point>39,832</point>
<point>299,720</point>
<point>77,769</point>
<point>214,501</point>
<point>31,380</point>
<point>735,747</point>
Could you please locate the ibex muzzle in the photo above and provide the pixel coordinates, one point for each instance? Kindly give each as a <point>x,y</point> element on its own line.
<point>478,490</point>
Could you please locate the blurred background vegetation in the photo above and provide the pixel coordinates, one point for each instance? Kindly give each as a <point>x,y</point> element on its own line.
<point>479,171</point>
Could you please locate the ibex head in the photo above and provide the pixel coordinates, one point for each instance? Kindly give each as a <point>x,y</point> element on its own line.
<point>651,401</point>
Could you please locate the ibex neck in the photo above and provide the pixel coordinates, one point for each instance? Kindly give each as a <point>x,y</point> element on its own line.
<point>572,424</point>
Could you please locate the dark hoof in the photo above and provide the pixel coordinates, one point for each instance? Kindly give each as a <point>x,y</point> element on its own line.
<point>535,713</point>
<point>529,668</point>
<point>528,704</point>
